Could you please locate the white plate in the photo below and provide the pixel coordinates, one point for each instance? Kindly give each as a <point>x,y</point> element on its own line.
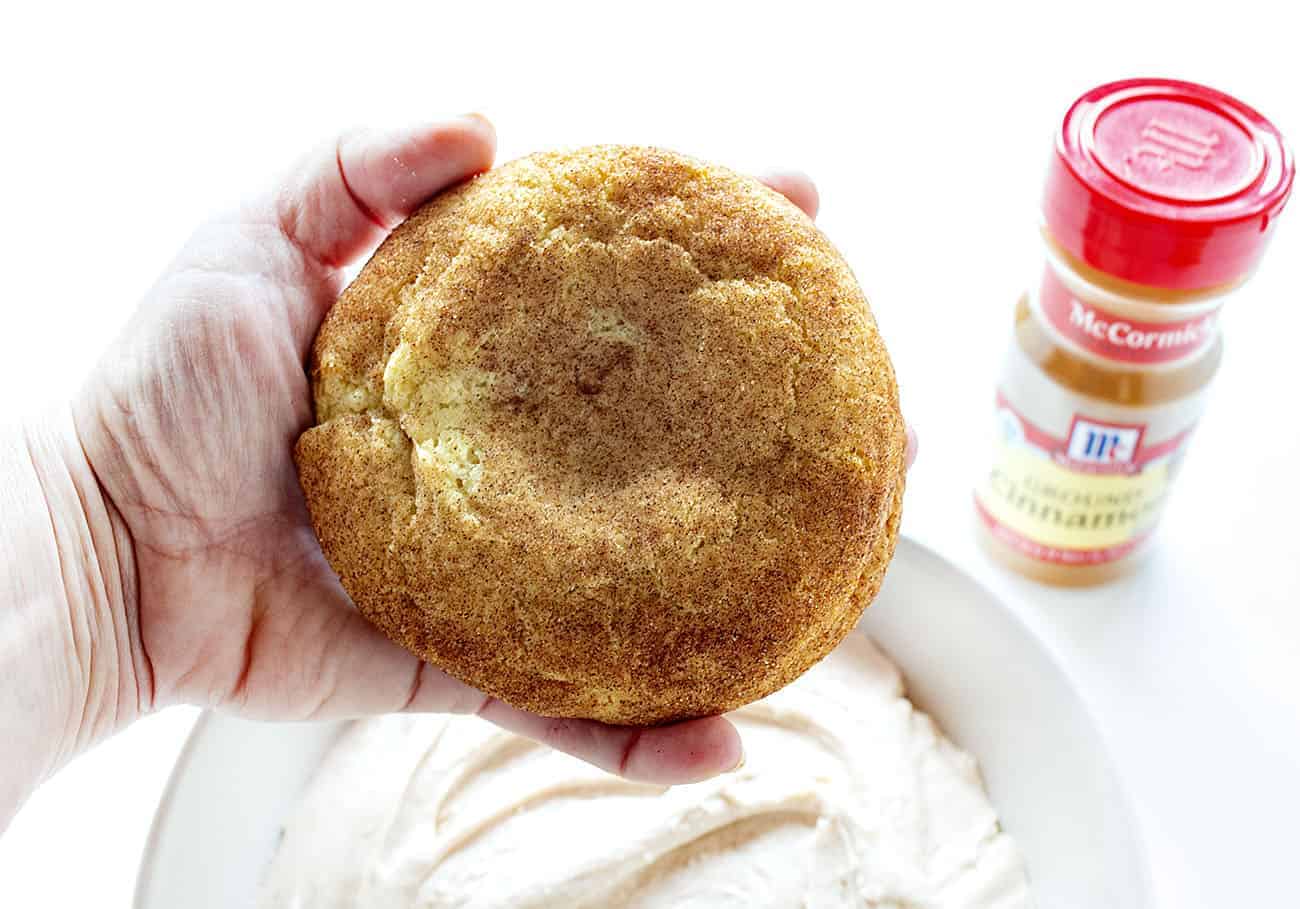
<point>967,660</point>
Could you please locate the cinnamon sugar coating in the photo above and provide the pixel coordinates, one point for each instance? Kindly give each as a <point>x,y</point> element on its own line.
<point>607,433</point>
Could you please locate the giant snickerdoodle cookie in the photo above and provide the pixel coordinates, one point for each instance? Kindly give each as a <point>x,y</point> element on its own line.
<point>607,433</point>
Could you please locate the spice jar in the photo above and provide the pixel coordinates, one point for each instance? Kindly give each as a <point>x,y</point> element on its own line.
<point>1160,198</point>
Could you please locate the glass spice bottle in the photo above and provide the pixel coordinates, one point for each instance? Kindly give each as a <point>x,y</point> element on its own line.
<point>1160,199</point>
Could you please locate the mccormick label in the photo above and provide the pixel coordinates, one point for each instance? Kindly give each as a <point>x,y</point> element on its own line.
<point>1084,495</point>
<point>1076,480</point>
<point>1117,338</point>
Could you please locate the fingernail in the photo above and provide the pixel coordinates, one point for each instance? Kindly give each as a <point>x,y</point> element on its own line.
<point>740,763</point>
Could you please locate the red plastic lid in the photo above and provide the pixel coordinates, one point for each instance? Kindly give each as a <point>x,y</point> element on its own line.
<point>1166,183</point>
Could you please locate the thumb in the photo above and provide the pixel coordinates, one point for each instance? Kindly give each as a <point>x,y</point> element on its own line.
<point>343,199</point>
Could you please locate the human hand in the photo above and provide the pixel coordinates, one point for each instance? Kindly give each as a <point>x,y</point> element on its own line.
<point>189,423</point>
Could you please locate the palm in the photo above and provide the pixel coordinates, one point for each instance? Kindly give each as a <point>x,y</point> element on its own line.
<point>190,423</point>
<point>206,415</point>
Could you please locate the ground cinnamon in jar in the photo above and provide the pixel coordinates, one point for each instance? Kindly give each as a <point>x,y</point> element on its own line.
<point>1160,199</point>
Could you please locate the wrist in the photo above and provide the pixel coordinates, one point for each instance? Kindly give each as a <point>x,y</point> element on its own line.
<point>69,630</point>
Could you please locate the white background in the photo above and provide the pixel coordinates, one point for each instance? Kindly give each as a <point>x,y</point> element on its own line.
<point>927,128</point>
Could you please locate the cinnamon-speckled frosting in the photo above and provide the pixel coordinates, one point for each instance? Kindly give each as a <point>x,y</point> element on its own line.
<point>849,797</point>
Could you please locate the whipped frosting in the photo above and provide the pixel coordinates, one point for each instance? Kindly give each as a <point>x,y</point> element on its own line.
<point>849,797</point>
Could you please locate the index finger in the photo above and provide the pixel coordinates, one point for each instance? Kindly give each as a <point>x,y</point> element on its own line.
<point>796,186</point>
<point>684,752</point>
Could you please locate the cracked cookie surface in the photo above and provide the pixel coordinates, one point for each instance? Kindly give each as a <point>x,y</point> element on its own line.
<point>608,433</point>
